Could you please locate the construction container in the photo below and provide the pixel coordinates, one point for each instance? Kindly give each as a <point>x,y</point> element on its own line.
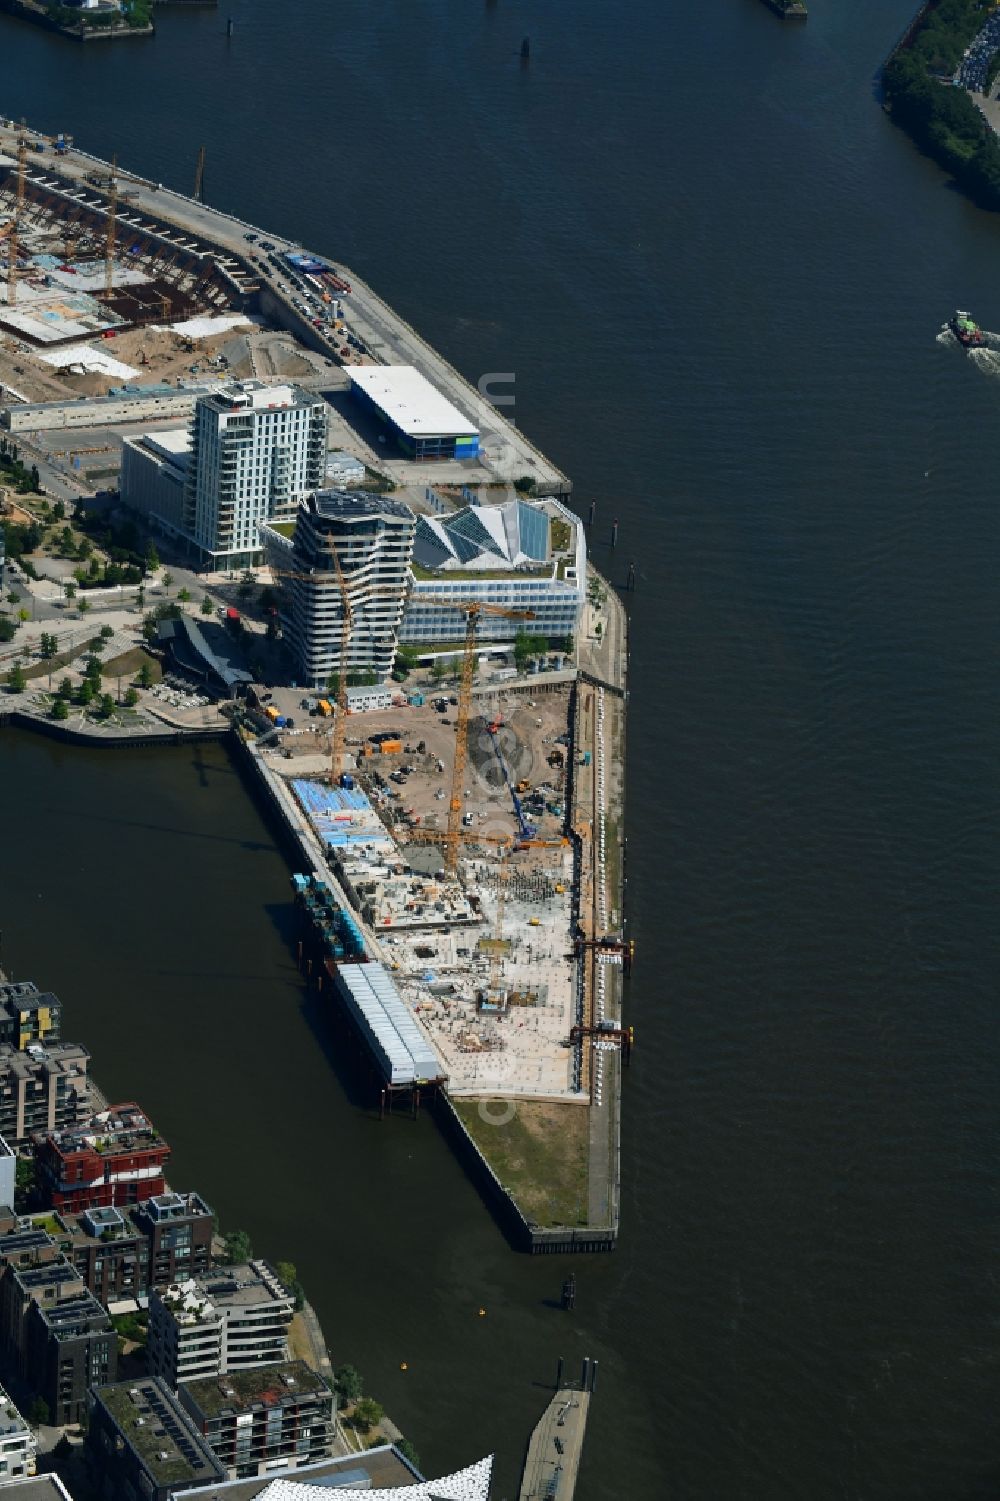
<point>272,714</point>
<point>325,707</point>
<point>280,721</point>
<point>391,747</point>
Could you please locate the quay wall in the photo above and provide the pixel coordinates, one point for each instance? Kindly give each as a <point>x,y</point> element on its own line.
<point>54,730</point>
<point>79,33</point>
<point>537,1240</point>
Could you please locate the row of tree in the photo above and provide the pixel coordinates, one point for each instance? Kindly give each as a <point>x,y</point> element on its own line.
<point>941,118</point>
<point>348,1383</point>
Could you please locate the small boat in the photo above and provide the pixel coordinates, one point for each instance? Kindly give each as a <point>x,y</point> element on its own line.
<point>968,333</point>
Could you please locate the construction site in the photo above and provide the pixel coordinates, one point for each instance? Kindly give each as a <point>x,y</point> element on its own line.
<point>469,845</point>
<point>462,877</point>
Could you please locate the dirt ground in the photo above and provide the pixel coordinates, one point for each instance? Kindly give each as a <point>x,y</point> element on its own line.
<point>527,738</point>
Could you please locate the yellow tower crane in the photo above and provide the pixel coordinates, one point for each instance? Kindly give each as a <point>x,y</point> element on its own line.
<point>472,609</point>
<point>347,623</point>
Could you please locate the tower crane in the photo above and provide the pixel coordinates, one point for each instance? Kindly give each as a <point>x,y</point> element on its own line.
<point>347,625</point>
<point>472,609</point>
<point>199,177</point>
<point>22,157</point>
<point>109,247</point>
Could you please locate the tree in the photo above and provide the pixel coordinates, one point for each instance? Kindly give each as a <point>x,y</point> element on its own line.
<point>16,679</point>
<point>348,1382</point>
<point>184,595</point>
<point>438,669</point>
<point>239,1247</point>
<point>24,1182</point>
<point>49,645</point>
<point>408,1452</point>
<point>59,511</point>
<point>35,480</point>
<point>92,668</point>
<point>131,697</point>
<point>38,1413</point>
<point>107,631</point>
<point>23,615</point>
<point>367,1413</point>
<point>149,628</point>
<point>84,606</point>
<point>286,1272</point>
<point>13,598</point>
<point>70,591</point>
<point>8,629</point>
<point>60,709</point>
<point>152,558</point>
<point>569,646</point>
<point>107,706</point>
<point>206,605</point>
<point>65,688</point>
<point>85,693</point>
<point>145,678</point>
<point>168,580</point>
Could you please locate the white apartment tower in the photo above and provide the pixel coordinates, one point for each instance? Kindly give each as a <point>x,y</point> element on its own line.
<point>256,452</point>
<point>370,539</point>
<point>233,1319</point>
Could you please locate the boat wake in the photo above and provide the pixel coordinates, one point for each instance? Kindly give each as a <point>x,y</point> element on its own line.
<point>987,361</point>
<point>985,356</point>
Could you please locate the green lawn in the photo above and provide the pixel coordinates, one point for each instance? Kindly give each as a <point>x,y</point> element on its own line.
<point>129,664</point>
<point>541,1157</point>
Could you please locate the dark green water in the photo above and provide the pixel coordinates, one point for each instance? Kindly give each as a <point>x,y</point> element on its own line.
<point>718,272</point>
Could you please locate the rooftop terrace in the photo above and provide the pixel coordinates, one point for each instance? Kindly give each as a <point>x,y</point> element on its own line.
<point>268,1386</point>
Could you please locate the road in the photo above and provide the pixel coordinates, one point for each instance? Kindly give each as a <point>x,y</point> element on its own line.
<point>508,454</point>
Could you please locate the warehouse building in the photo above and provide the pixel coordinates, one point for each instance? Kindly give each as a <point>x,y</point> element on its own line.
<point>124,404</point>
<point>424,423</point>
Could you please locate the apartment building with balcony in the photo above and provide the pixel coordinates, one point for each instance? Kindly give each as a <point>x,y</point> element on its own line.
<point>43,1087</point>
<point>277,1416</point>
<point>256,452</point>
<point>17,1443</point>
<point>142,1444</point>
<point>350,553</point>
<point>28,1014</point>
<point>233,1319</point>
<point>116,1157</point>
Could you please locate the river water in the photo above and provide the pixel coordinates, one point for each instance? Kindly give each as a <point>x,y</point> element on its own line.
<point>717,272</point>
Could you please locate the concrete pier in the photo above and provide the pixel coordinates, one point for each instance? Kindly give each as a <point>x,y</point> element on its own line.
<point>553,1461</point>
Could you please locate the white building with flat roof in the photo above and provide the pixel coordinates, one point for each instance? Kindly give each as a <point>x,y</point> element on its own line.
<point>17,1443</point>
<point>256,452</point>
<point>232,1319</point>
<point>425,424</point>
<point>153,472</point>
